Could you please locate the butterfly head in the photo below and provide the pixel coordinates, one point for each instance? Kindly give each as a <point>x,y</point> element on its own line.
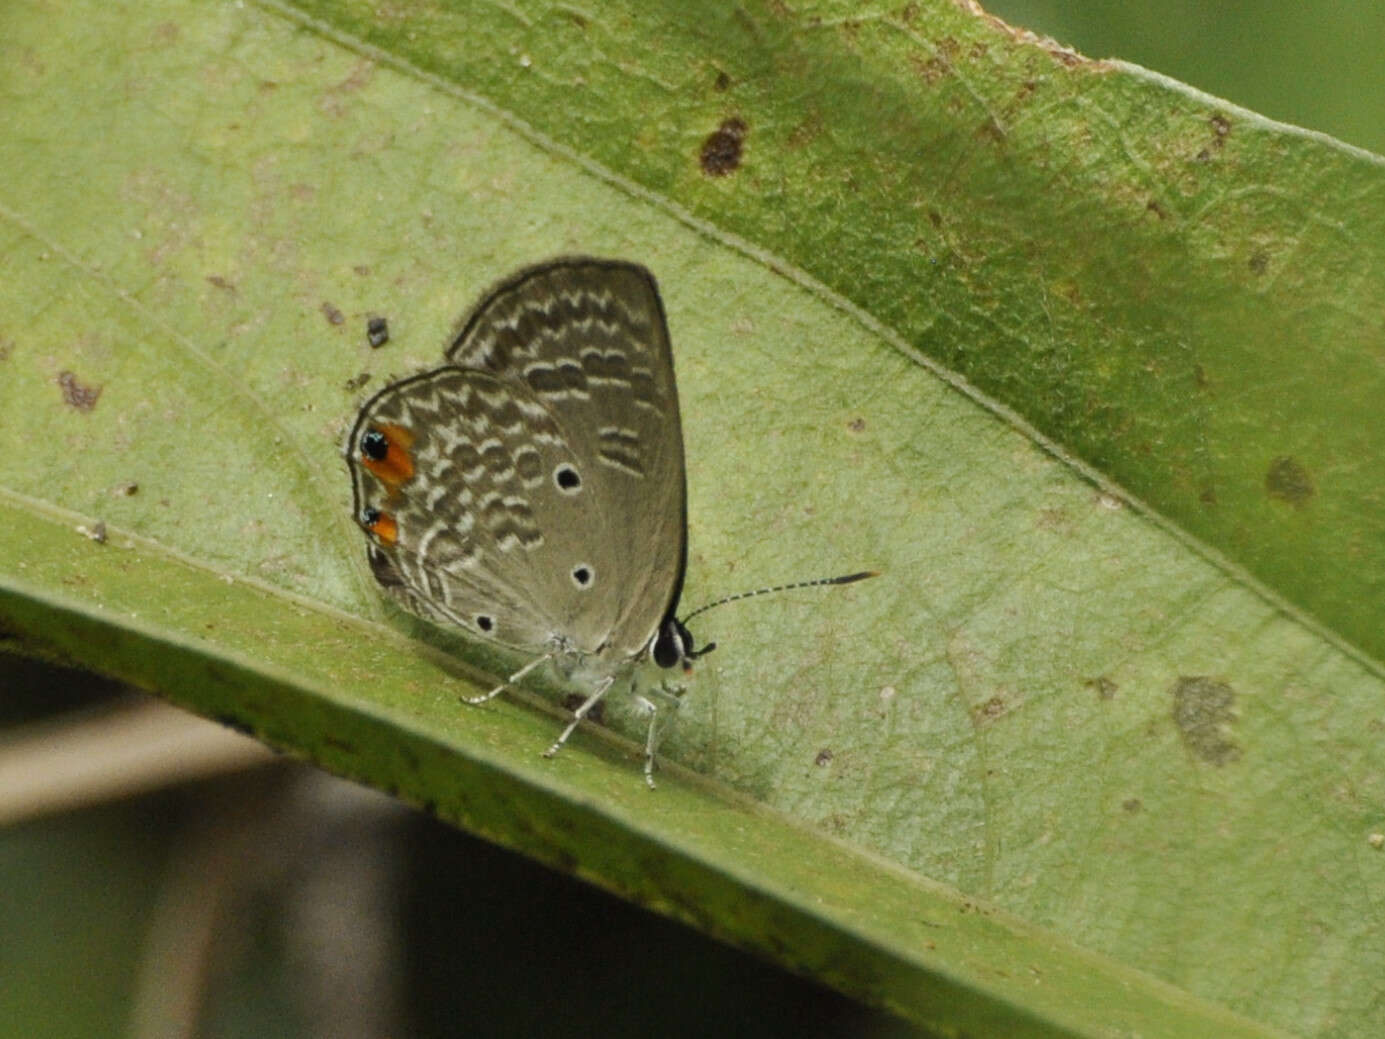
<point>673,645</point>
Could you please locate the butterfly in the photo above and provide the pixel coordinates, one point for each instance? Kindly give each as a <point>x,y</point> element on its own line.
<point>532,490</point>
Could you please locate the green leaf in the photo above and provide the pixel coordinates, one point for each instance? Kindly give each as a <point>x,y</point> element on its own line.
<point>1142,786</point>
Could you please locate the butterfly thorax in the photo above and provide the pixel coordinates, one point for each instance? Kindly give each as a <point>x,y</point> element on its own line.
<point>670,646</point>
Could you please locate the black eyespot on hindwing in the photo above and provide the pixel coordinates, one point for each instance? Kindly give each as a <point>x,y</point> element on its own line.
<point>374,445</point>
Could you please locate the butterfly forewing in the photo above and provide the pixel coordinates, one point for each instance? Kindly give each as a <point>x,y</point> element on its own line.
<point>533,490</point>
<point>589,341</point>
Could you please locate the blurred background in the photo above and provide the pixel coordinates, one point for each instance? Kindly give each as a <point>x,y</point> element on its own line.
<point>161,876</point>
<point>1313,63</point>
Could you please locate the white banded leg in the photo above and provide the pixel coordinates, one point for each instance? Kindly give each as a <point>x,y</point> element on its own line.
<point>649,747</point>
<point>579,714</point>
<point>487,697</point>
<point>650,704</point>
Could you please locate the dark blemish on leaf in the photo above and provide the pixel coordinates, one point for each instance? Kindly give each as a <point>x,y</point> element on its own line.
<point>824,757</point>
<point>77,394</point>
<point>1105,688</point>
<point>1259,263</point>
<point>96,532</point>
<point>1132,805</point>
<point>721,151</point>
<point>333,315</point>
<point>1288,481</point>
<point>722,82</point>
<point>1203,711</point>
<point>597,714</point>
<point>1203,155</point>
<point>989,711</point>
<point>125,490</point>
<point>1157,208</point>
<point>217,281</point>
<point>361,269</point>
<point>1221,126</point>
<point>857,425</point>
<point>935,218</point>
<point>990,131</point>
<point>377,332</point>
<point>930,70</point>
<point>356,382</point>
<point>1208,495</point>
<point>1200,376</point>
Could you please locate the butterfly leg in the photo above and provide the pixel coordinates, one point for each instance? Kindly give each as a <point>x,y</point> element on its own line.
<point>650,705</point>
<point>487,697</point>
<point>649,747</point>
<point>579,714</point>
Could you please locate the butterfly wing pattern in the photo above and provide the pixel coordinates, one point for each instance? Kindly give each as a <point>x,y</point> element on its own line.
<point>532,489</point>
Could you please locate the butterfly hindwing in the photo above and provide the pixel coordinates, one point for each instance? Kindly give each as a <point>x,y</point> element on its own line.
<point>588,339</point>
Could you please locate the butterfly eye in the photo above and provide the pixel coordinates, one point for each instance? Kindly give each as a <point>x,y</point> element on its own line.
<point>567,479</point>
<point>370,516</point>
<point>582,576</point>
<point>374,445</point>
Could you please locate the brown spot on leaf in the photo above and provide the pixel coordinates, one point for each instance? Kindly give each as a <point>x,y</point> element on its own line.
<point>930,70</point>
<point>333,315</point>
<point>989,711</point>
<point>1287,480</point>
<point>824,757</point>
<point>1105,688</point>
<point>722,82</point>
<point>377,332</point>
<point>78,394</point>
<point>1259,263</point>
<point>1132,805</point>
<point>1203,711</point>
<point>721,151</point>
<point>217,281</point>
<point>857,425</point>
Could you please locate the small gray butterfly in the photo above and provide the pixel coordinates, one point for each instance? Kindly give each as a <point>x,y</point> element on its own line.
<point>532,490</point>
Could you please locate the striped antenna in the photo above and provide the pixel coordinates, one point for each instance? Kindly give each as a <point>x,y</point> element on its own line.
<point>845,579</point>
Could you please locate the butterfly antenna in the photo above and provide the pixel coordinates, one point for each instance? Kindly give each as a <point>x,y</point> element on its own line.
<point>844,579</point>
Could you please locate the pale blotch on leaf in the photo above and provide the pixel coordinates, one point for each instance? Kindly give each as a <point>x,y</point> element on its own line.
<point>1203,711</point>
